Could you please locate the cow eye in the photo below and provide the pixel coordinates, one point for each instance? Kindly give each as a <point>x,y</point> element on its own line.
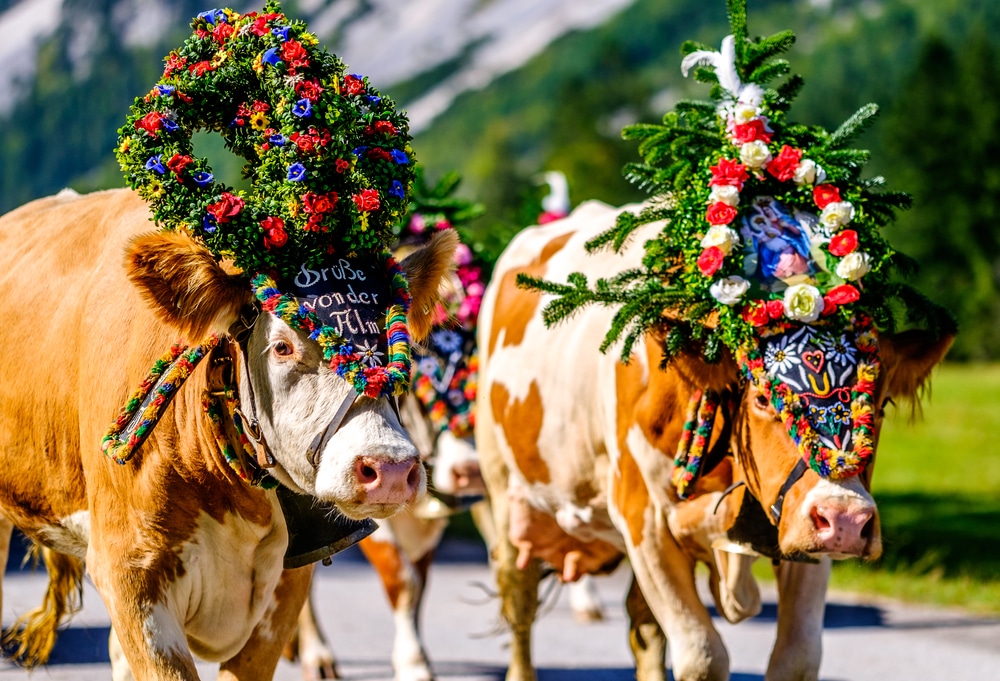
<point>281,349</point>
<point>761,401</point>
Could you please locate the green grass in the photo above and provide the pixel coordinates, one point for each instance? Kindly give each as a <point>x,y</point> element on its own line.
<point>937,485</point>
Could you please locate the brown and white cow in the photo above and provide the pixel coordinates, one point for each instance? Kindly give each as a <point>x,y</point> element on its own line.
<point>186,555</point>
<point>577,451</point>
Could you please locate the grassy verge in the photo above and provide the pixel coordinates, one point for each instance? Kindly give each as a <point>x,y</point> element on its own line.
<point>937,485</point>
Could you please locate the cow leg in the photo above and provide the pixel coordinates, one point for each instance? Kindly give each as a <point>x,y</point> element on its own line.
<point>259,657</point>
<point>645,637</point>
<point>403,581</point>
<point>120,671</point>
<point>310,646</point>
<point>801,602</point>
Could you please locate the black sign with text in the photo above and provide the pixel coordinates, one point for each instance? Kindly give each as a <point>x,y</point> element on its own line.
<point>352,296</point>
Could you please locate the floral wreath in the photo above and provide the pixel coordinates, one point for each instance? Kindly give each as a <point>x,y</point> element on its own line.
<point>738,160</point>
<point>328,159</point>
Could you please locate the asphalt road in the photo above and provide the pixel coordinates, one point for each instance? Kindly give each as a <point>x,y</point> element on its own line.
<point>863,641</point>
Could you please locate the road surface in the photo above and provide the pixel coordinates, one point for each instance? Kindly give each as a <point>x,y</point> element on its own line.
<point>862,641</point>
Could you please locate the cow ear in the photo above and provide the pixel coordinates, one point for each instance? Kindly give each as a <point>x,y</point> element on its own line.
<point>908,358</point>
<point>184,285</point>
<point>425,269</point>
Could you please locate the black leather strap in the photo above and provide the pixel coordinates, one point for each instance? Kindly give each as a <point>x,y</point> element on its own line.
<point>793,477</point>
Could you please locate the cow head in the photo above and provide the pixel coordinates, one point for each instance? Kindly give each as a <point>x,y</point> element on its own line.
<point>367,466</point>
<point>832,514</point>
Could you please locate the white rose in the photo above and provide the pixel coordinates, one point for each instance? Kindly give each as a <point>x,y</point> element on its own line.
<point>836,215</point>
<point>808,173</point>
<point>803,302</point>
<point>721,237</point>
<point>729,290</point>
<point>755,154</point>
<point>744,113</point>
<point>853,266</point>
<point>727,194</point>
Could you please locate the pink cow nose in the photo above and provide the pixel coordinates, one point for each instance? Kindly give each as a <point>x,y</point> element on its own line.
<point>387,482</point>
<point>467,478</point>
<point>844,530</point>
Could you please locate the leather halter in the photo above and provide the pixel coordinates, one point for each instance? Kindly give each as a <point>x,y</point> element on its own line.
<point>240,333</point>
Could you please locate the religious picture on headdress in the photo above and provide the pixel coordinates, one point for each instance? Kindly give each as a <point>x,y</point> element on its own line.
<point>778,244</point>
<point>351,295</point>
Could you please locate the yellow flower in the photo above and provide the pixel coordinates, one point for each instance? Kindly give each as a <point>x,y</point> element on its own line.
<point>258,63</point>
<point>156,189</point>
<point>220,56</point>
<point>124,145</point>
<point>258,120</point>
<point>867,372</point>
<point>293,208</point>
<point>364,222</point>
<point>308,39</point>
<point>280,106</point>
<point>335,84</point>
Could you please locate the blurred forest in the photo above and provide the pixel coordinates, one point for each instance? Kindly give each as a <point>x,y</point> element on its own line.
<point>933,66</point>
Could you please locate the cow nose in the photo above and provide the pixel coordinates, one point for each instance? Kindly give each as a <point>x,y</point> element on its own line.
<point>388,482</point>
<point>844,530</point>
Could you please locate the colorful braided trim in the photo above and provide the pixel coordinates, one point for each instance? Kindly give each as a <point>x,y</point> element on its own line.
<point>828,462</point>
<point>147,404</point>
<point>216,413</point>
<point>393,379</point>
<point>453,409</point>
<point>698,424</point>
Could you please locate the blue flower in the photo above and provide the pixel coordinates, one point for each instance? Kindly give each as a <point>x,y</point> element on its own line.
<point>359,151</point>
<point>165,90</point>
<point>213,15</point>
<point>399,157</point>
<point>155,163</point>
<point>281,32</point>
<point>396,189</point>
<point>208,224</point>
<point>202,178</point>
<point>373,100</point>
<point>296,172</point>
<point>271,57</point>
<point>302,108</point>
<point>169,125</point>
<point>277,140</point>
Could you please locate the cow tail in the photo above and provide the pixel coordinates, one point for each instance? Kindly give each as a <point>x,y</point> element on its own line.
<point>34,633</point>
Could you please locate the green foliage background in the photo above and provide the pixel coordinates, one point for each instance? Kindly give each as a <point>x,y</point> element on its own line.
<point>932,65</point>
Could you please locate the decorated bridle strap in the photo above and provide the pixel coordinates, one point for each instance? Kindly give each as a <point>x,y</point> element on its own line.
<point>391,380</point>
<point>221,406</point>
<point>797,472</point>
<point>699,421</point>
<point>148,403</point>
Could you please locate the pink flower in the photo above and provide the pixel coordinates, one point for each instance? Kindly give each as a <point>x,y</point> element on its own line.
<point>729,172</point>
<point>367,200</point>
<point>720,213</point>
<point>710,260</point>
<point>784,164</point>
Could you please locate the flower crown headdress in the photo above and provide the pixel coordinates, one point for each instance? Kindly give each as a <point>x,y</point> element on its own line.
<point>771,248</point>
<point>329,164</point>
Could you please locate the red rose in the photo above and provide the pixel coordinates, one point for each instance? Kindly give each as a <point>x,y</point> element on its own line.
<point>756,314</point>
<point>201,68</point>
<point>843,243</point>
<point>294,54</point>
<point>784,164</point>
<point>829,307</point>
<point>259,26</point>
<point>775,309</point>
<point>151,122</point>
<point>720,213</point>
<point>353,85</point>
<point>309,89</point>
<point>842,295</point>
<point>825,194</point>
<point>174,63</point>
<point>319,203</point>
<point>274,232</point>
<point>222,31</point>
<point>729,173</point>
<point>710,260</point>
<point>229,207</point>
<point>178,163</point>
<point>385,127</point>
<point>367,200</point>
<point>341,165</point>
<point>304,142</point>
<point>751,132</point>
<point>262,107</point>
<point>379,154</point>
